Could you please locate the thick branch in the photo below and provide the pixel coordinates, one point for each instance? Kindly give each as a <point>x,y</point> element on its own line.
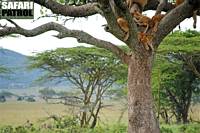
<point>190,64</point>
<point>153,4</point>
<point>120,7</point>
<point>111,13</point>
<point>110,17</point>
<point>81,36</point>
<point>30,33</point>
<point>171,20</point>
<point>84,37</point>
<point>66,10</point>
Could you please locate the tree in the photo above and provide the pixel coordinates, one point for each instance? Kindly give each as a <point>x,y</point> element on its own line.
<point>176,75</point>
<point>87,69</point>
<point>7,94</point>
<point>139,60</point>
<point>47,93</point>
<point>3,71</point>
<point>180,87</point>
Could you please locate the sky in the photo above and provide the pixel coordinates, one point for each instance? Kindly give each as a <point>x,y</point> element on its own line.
<point>92,25</point>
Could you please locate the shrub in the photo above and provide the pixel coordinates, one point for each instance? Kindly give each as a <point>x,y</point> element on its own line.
<point>190,128</point>
<point>7,129</point>
<point>166,130</point>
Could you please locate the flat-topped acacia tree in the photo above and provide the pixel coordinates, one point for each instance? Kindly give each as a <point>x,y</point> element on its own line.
<point>141,118</point>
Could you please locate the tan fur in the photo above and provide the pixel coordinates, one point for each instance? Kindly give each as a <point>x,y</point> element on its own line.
<point>141,20</point>
<point>142,3</point>
<point>123,24</point>
<point>155,21</point>
<point>178,2</point>
<point>146,40</point>
<point>134,6</point>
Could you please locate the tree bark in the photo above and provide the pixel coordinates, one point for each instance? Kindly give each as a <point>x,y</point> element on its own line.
<point>140,102</point>
<point>83,119</point>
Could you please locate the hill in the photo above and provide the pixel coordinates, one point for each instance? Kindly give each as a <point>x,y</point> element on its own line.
<point>20,77</point>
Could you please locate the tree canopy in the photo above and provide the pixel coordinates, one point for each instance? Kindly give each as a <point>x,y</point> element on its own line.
<point>93,71</point>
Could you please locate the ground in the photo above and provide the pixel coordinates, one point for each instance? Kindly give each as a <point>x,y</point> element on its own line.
<point>17,113</point>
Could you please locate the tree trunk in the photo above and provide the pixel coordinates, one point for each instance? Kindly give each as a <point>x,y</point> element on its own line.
<point>94,122</point>
<point>185,117</point>
<point>83,119</point>
<point>187,105</point>
<point>140,103</point>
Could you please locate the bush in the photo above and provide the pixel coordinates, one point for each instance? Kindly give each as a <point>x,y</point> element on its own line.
<point>2,99</point>
<point>70,125</point>
<point>194,128</point>
<point>183,128</point>
<point>7,129</point>
<point>166,130</point>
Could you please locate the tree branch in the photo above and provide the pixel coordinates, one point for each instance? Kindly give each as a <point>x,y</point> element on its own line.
<point>153,4</point>
<point>66,10</point>
<point>171,20</point>
<point>110,17</point>
<point>189,61</point>
<point>111,12</point>
<point>81,36</point>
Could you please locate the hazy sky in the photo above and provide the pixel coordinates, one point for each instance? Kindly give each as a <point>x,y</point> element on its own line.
<point>91,25</point>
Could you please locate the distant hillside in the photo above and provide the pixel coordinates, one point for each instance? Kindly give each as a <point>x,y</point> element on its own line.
<point>20,77</point>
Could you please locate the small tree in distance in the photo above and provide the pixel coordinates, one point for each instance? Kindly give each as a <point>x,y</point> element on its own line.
<point>47,93</point>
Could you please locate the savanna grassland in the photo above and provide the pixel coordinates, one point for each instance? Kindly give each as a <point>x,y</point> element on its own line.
<point>17,113</point>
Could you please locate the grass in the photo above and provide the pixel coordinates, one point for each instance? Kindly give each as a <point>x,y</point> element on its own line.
<point>17,113</point>
<point>180,128</point>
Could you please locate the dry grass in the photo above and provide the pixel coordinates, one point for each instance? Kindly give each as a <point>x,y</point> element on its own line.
<point>16,113</point>
<point>195,112</point>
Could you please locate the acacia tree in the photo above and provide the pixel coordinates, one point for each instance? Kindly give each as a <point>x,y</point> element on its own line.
<point>92,71</point>
<point>176,75</point>
<point>141,118</point>
<point>178,82</point>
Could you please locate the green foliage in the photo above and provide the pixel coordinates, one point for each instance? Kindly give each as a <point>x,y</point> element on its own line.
<point>72,129</point>
<point>19,129</point>
<point>4,70</point>
<point>47,92</point>
<point>67,122</point>
<point>7,129</point>
<point>63,63</point>
<point>172,72</point>
<point>166,130</point>
<point>174,85</point>
<point>183,128</point>
<point>195,128</point>
<point>91,70</point>
<point>113,128</point>
<point>188,33</point>
<point>6,94</point>
<point>181,41</point>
